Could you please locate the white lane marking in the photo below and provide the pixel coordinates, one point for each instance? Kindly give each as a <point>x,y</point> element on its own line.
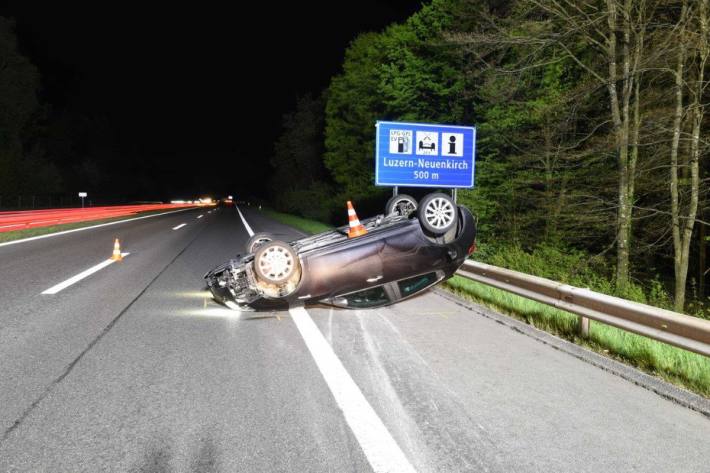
<point>179,226</point>
<point>80,276</point>
<point>199,216</point>
<point>244,221</point>
<point>377,443</point>
<point>64,232</point>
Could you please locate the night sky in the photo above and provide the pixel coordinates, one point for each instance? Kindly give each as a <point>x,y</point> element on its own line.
<point>196,91</point>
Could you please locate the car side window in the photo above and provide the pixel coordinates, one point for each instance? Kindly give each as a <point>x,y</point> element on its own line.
<point>407,287</point>
<point>371,297</point>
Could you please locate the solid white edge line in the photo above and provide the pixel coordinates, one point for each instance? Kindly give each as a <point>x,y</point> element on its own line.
<point>179,226</point>
<point>84,274</point>
<point>64,232</point>
<point>376,442</point>
<point>244,221</point>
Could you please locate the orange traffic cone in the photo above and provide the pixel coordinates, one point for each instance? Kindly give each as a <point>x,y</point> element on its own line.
<point>356,228</point>
<point>116,256</point>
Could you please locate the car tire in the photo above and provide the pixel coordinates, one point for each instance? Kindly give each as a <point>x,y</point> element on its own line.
<point>438,213</point>
<point>257,240</point>
<point>401,204</point>
<point>276,262</point>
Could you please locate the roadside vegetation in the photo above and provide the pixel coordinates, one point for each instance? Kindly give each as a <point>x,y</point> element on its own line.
<point>303,224</point>
<point>51,150</point>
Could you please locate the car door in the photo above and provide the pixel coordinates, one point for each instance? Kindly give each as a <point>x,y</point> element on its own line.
<point>407,252</point>
<point>343,268</point>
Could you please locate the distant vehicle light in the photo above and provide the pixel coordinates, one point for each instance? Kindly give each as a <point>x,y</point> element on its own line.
<point>177,201</point>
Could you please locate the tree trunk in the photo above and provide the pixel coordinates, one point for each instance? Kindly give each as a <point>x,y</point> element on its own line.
<point>621,118</point>
<point>702,258</point>
<point>623,222</point>
<point>679,292</point>
<point>684,222</point>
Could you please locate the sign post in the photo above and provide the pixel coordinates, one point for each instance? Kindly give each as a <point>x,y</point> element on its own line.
<point>424,155</point>
<point>82,195</point>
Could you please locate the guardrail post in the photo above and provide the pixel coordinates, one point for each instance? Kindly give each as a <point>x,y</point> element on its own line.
<point>583,327</point>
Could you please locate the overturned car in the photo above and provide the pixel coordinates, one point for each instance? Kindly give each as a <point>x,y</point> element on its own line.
<point>383,260</point>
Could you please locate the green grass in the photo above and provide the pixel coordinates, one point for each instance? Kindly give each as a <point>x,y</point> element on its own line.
<point>31,232</point>
<point>304,224</point>
<point>680,367</point>
<point>675,365</point>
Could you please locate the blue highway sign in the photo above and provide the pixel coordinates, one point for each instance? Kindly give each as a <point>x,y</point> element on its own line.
<point>424,155</point>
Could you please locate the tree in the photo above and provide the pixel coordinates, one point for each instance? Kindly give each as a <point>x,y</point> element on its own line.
<point>541,172</point>
<point>19,84</point>
<point>403,73</point>
<point>692,53</point>
<point>354,105</point>
<point>299,180</point>
<point>614,31</point>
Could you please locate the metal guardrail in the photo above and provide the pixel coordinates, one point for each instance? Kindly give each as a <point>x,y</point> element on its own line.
<point>684,331</point>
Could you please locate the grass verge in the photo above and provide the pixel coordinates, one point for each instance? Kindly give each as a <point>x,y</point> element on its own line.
<point>677,366</point>
<point>31,232</point>
<point>303,224</point>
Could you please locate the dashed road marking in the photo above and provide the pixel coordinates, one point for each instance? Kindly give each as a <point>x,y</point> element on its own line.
<point>84,274</point>
<point>199,216</point>
<point>179,226</point>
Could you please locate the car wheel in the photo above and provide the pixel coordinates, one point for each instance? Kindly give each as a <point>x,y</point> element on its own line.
<point>438,213</point>
<point>275,262</point>
<point>401,204</point>
<point>257,240</point>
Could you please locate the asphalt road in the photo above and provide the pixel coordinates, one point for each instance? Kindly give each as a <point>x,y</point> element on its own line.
<point>134,368</point>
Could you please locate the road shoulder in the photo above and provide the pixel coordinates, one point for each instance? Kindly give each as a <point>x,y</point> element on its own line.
<point>662,388</point>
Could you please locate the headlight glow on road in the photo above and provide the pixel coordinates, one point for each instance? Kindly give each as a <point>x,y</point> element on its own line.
<point>232,305</point>
<point>211,312</point>
<point>195,294</point>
